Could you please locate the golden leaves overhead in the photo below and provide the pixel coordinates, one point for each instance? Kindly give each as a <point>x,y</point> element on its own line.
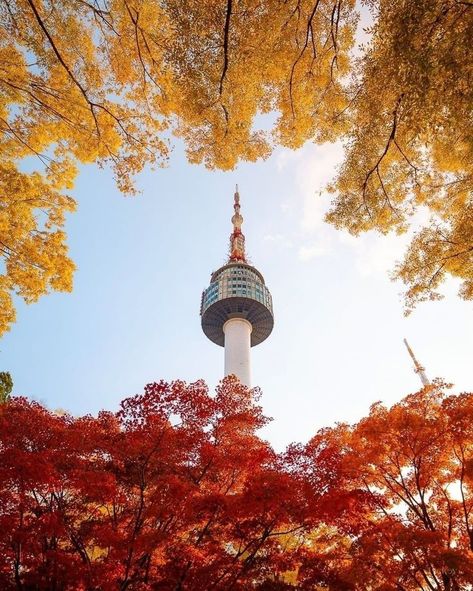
<point>31,213</point>
<point>109,81</point>
<point>410,140</point>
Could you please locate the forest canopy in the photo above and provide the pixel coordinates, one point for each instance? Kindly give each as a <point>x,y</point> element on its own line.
<point>112,81</point>
<point>176,490</point>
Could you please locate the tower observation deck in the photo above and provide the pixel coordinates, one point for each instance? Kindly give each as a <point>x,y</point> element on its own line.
<point>236,309</point>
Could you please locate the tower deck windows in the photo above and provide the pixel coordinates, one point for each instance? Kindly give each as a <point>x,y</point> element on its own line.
<point>227,285</point>
<point>241,289</point>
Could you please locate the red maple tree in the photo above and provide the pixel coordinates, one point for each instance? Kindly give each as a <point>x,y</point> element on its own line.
<point>176,491</point>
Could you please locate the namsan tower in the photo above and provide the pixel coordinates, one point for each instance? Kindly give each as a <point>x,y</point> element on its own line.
<point>418,368</point>
<point>236,309</point>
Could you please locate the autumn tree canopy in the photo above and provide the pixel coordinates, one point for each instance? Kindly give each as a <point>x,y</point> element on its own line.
<point>177,491</point>
<point>410,140</point>
<point>111,81</point>
<point>415,462</point>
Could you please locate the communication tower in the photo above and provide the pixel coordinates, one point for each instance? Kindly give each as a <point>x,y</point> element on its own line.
<point>236,309</point>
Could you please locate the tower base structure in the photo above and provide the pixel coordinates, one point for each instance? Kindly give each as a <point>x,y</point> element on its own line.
<point>237,333</point>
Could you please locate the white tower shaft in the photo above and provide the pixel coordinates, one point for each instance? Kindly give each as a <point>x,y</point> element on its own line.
<point>237,349</point>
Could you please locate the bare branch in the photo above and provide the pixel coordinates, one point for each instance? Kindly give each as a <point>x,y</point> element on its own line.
<point>226,36</point>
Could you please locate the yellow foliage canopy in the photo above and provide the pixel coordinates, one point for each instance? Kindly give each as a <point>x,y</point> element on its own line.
<point>411,140</point>
<point>108,81</point>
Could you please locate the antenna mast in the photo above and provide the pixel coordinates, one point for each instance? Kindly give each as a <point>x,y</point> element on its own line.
<point>237,239</point>
<point>418,368</point>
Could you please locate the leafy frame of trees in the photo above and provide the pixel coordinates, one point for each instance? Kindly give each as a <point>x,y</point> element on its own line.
<point>109,81</point>
<point>177,491</point>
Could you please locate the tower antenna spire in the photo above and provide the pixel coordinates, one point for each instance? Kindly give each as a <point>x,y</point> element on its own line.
<point>237,239</point>
<point>418,368</point>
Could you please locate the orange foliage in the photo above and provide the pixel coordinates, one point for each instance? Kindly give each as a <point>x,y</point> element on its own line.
<point>177,491</point>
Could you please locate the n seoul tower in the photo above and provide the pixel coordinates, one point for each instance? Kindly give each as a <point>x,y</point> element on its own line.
<point>237,309</point>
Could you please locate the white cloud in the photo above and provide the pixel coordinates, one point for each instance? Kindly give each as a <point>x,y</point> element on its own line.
<point>279,240</point>
<point>374,253</point>
<point>315,168</point>
<point>309,252</point>
<point>285,207</point>
<point>285,157</point>
<point>314,210</point>
<point>312,168</point>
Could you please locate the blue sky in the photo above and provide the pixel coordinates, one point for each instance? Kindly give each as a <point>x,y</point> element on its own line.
<point>133,316</point>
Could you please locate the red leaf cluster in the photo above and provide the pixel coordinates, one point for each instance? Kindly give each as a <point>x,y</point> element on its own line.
<point>176,492</point>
